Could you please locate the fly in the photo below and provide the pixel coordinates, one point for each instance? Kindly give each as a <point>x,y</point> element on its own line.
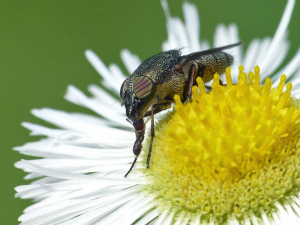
<point>152,86</point>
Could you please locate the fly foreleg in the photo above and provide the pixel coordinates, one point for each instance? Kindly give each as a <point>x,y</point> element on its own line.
<point>152,137</point>
<point>155,109</point>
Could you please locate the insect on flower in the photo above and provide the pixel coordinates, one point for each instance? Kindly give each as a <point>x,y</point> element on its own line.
<point>152,86</point>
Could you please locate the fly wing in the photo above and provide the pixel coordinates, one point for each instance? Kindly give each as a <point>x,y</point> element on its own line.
<point>196,55</point>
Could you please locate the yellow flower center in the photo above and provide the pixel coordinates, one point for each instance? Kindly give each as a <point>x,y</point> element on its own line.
<point>230,153</point>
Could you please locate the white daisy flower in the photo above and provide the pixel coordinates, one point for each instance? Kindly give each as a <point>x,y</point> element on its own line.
<point>246,171</point>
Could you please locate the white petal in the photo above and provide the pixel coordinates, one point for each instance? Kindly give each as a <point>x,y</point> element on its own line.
<point>136,211</point>
<point>66,175</point>
<point>33,176</point>
<point>296,89</point>
<point>70,209</point>
<point>76,96</point>
<point>221,37</point>
<point>171,43</point>
<point>247,221</point>
<point>284,216</point>
<point>118,74</point>
<point>41,130</point>
<point>104,97</point>
<point>205,45</point>
<point>254,220</point>
<point>148,217</point>
<point>278,58</point>
<point>276,219</point>
<point>294,219</point>
<point>181,219</point>
<point>233,221</point>
<point>196,220</point>
<point>265,219</point>
<point>123,210</point>
<point>192,24</point>
<point>46,148</point>
<point>86,193</point>
<point>296,208</point>
<point>130,61</point>
<point>280,32</point>
<point>290,68</point>
<point>102,70</point>
<point>162,216</point>
<point>296,80</point>
<point>212,222</point>
<point>168,219</point>
<point>84,165</point>
<point>251,54</point>
<point>178,36</point>
<point>180,33</point>
<point>263,50</point>
<point>234,38</point>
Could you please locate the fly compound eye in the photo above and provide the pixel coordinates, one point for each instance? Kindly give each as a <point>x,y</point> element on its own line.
<point>143,87</point>
<point>123,91</point>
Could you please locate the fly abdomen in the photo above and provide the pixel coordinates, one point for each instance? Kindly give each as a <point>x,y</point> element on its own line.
<point>213,63</point>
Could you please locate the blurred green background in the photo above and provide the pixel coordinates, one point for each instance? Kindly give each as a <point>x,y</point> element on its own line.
<point>42,46</point>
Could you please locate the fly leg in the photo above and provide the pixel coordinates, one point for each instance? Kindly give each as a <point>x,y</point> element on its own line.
<point>195,71</point>
<point>155,109</point>
<point>187,95</point>
<point>152,137</point>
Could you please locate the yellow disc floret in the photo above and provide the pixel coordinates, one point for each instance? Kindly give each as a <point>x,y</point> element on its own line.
<point>230,153</point>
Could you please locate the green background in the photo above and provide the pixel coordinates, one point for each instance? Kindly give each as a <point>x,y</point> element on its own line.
<point>42,46</point>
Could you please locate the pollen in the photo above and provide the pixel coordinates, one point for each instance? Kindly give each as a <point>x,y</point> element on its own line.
<point>232,152</point>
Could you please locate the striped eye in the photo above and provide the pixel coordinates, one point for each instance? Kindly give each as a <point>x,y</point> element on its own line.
<point>143,87</point>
